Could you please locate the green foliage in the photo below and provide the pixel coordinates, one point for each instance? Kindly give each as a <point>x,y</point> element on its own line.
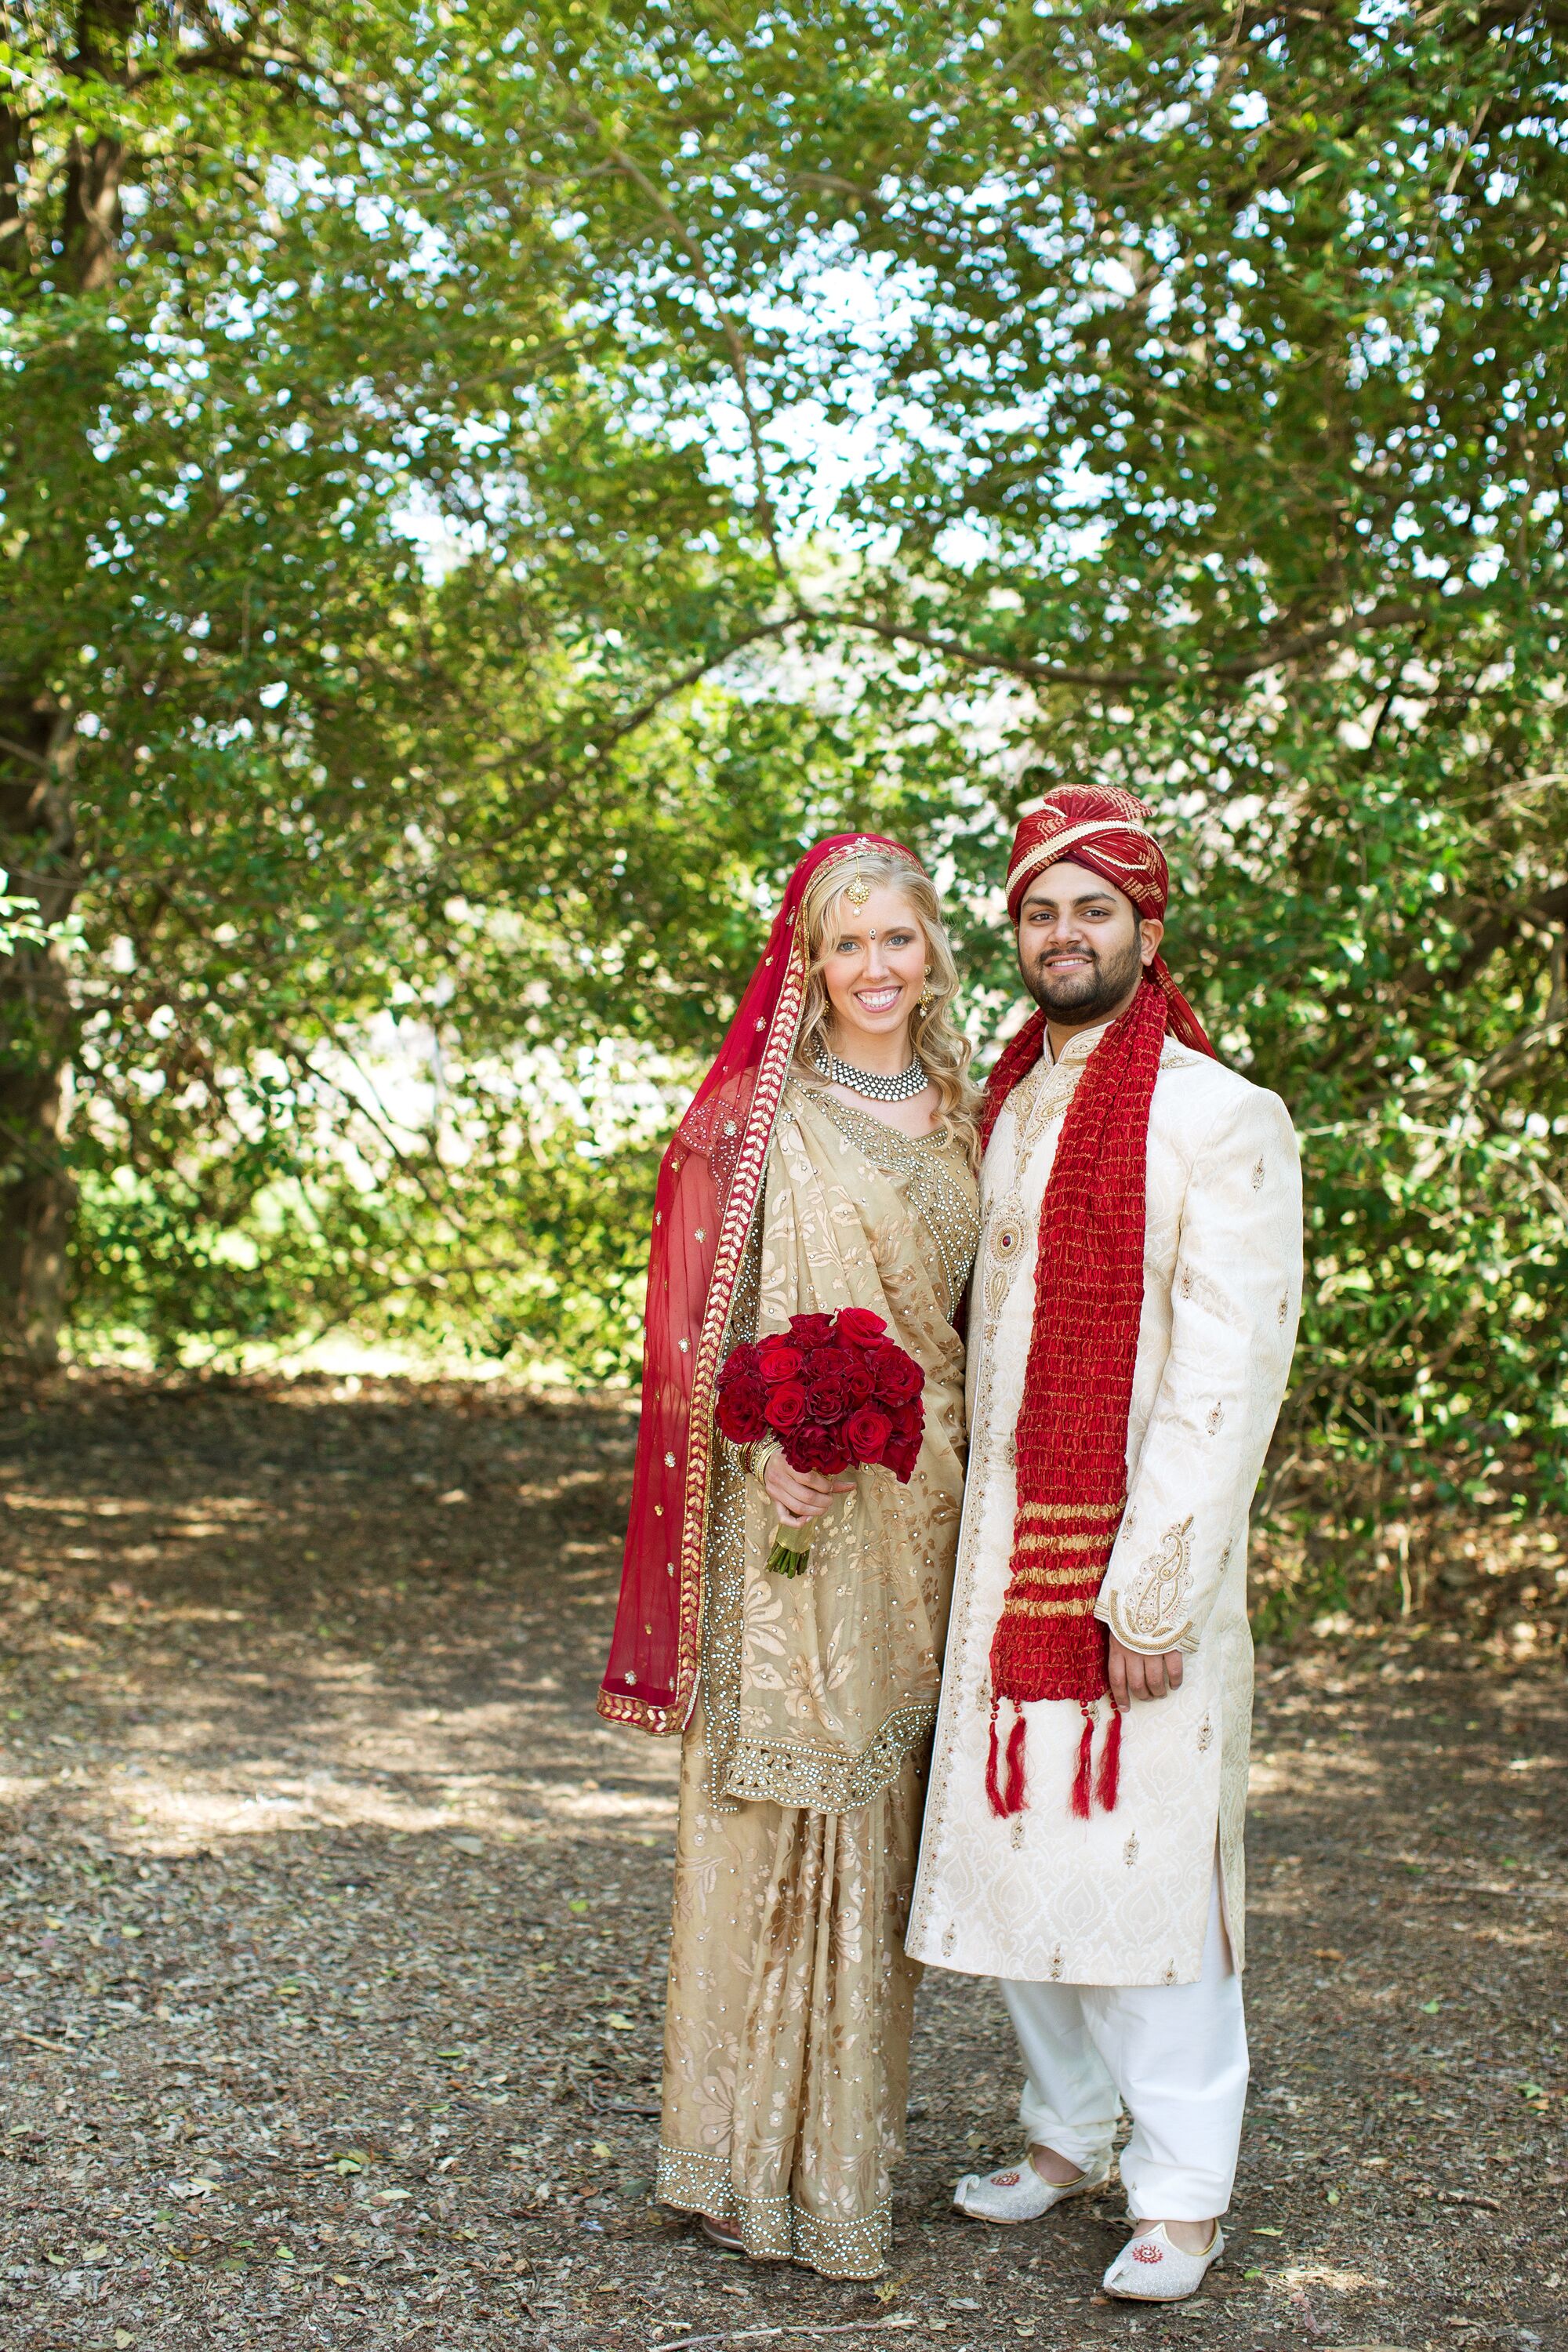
<point>840,414</point>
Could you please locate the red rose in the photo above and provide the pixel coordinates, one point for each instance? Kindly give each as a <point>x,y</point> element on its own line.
<point>910,1419</point>
<point>827,1400</point>
<point>785,1407</point>
<point>811,1330</point>
<point>742,1359</point>
<point>902,1454</point>
<point>859,1327</point>
<point>779,1358</point>
<point>866,1434</point>
<point>831,1363</point>
<point>814,1448</point>
<point>859,1381</point>
<point>898,1377</point>
<point>739,1410</point>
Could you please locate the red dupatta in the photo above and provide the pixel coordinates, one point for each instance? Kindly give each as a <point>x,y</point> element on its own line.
<point>708,1186</point>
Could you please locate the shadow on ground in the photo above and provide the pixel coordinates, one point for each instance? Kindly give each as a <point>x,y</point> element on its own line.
<point>333,1932</point>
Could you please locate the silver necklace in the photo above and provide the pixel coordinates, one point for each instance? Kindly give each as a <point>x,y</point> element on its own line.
<point>902,1087</point>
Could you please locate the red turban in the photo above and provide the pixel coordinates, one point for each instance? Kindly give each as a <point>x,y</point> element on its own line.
<point>1070,1437</point>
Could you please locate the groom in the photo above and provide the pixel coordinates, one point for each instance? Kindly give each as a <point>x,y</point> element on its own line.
<point>1131,1321</point>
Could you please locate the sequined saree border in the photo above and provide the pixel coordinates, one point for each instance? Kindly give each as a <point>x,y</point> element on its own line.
<point>776,2229</point>
<point>825,1780</point>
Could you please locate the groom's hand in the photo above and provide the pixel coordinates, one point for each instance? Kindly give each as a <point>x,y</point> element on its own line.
<point>1132,1676</point>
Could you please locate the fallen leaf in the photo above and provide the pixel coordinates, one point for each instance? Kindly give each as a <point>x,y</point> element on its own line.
<point>601,2148</point>
<point>468,1844</point>
<point>622,2024</point>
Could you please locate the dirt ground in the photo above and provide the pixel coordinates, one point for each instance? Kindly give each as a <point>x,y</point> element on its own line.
<point>333,1921</point>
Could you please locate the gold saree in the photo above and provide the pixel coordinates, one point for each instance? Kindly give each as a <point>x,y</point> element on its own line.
<point>787,2025</point>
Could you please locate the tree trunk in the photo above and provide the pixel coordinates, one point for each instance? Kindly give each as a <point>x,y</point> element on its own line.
<point>37,1191</point>
<point>37,831</point>
<point>38,1194</point>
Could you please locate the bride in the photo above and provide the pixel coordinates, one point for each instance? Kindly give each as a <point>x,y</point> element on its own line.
<point>827,1160</point>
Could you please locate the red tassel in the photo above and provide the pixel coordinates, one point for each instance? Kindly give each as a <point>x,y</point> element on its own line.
<point>992,1791</point>
<point>1080,1784</point>
<point>1006,1801</point>
<point>1110,1764</point>
<point>1016,1766</point>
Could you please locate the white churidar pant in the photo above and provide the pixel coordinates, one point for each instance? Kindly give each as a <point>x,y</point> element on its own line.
<point>1173,2056</point>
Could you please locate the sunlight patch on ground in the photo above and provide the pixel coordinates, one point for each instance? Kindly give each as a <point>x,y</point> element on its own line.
<point>1338,2281</point>
<point>175,1814</point>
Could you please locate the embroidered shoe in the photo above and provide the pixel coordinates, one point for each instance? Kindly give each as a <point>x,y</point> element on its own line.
<point>1018,2193</point>
<point>1149,2269</point>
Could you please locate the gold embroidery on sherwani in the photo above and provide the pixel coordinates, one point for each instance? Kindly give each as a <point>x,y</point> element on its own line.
<point>790,2002</point>
<point>1149,1618</point>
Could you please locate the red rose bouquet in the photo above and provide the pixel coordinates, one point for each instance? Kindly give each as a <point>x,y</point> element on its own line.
<point>835,1393</point>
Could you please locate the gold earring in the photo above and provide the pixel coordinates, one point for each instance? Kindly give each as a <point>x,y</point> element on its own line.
<point>925,991</point>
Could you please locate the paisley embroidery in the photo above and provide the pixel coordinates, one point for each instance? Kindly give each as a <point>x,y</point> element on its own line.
<point>1215,1420</point>
<point>1257,1174</point>
<point>1165,1578</point>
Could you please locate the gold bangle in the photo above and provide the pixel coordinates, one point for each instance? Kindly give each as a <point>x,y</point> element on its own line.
<point>758,1455</point>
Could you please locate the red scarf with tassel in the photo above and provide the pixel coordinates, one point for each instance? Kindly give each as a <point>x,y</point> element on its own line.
<point>1070,1441</point>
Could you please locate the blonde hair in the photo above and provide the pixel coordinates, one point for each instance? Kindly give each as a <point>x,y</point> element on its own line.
<point>933,1035</point>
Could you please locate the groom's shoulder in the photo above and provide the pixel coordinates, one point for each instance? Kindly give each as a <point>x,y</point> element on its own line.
<point>1195,1094</point>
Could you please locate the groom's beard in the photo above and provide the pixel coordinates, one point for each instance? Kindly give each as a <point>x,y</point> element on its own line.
<point>1094,991</point>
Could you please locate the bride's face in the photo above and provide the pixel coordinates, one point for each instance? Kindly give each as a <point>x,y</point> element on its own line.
<point>874,967</point>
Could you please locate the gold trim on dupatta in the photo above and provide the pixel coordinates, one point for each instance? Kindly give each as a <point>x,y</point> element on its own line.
<point>751,1162</point>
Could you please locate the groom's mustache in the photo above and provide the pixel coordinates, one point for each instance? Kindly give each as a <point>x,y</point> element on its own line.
<point>1081,952</point>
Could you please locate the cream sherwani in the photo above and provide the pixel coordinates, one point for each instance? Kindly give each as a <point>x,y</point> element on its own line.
<point>1124,1899</point>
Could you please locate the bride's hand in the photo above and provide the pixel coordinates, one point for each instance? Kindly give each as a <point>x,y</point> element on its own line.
<point>800,1495</point>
